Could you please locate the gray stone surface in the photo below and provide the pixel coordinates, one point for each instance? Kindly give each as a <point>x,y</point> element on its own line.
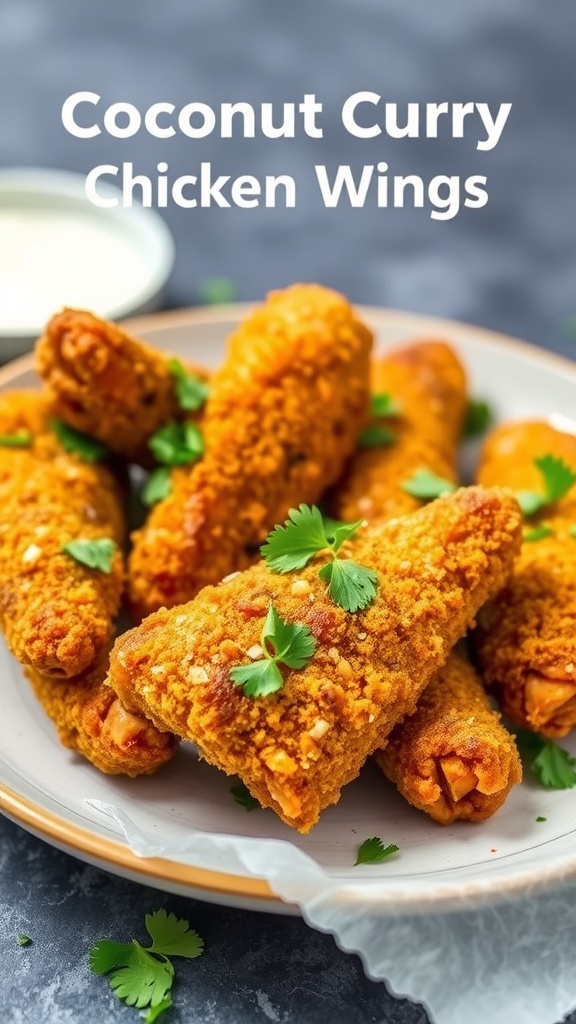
<point>511,266</point>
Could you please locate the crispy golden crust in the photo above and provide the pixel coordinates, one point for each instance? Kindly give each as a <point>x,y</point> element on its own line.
<point>92,721</point>
<point>57,614</point>
<point>526,638</point>
<point>453,758</point>
<point>296,749</point>
<point>429,384</point>
<point>283,415</point>
<point>106,383</point>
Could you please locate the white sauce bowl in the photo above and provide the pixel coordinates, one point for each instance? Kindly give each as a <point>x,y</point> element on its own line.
<point>57,249</point>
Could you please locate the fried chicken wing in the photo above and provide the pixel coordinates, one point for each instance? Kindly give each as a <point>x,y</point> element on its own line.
<point>526,637</point>
<point>56,613</point>
<point>92,721</point>
<point>283,415</point>
<point>296,749</point>
<point>428,383</point>
<point>106,383</point>
<point>452,758</point>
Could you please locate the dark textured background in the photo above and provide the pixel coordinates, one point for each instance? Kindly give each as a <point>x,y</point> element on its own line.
<point>510,266</point>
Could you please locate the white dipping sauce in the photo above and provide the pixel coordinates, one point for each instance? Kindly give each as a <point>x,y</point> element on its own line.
<point>55,258</point>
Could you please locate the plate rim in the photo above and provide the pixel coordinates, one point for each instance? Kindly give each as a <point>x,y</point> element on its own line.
<point>118,857</point>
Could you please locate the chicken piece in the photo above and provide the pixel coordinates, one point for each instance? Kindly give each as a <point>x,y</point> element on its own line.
<point>92,721</point>
<point>453,758</point>
<point>526,638</point>
<point>296,749</point>
<point>283,415</point>
<point>107,384</point>
<point>428,383</point>
<point>56,613</point>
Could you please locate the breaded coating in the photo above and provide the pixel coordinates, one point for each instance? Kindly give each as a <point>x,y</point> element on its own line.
<point>526,639</point>
<point>295,750</point>
<point>453,758</point>
<point>57,614</point>
<point>428,382</point>
<point>107,384</point>
<point>92,721</point>
<point>283,415</point>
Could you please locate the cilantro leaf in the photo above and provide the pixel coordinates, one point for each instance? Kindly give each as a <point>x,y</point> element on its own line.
<point>345,532</point>
<point>554,767</point>
<point>21,439</point>
<point>292,546</point>
<point>154,1011</point>
<point>157,487</point>
<point>559,478</point>
<point>478,418</point>
<point>538,533</point>
<point>373,851</point>
<point>96,554</point>
<point>292,644</point>
<point>177,444</point>
<point>191,391</point>
<point>243,797</point>
<point>351,586</point>
<point>172,936</point>
<point>376,436</point>
<point>217,291</point>
<point>24,940</point>
<point>331,525</point>
<point>540,818</point>
<point>530,502</point>
<point>382,404</point>
<point>427,485</point>
<point>80,444</point>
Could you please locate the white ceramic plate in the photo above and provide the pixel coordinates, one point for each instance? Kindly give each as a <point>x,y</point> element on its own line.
<point>45,788</point>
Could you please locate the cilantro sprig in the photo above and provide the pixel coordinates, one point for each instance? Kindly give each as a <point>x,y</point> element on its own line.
<point>20,439</point>
<point>557,479</point>
<point>304,535</point>
<point>243,797</point>
<point>553,766</point>
<point>382,404</point>
<point>283,643</point>
<point>74,441</point>
<point>538,533</point>
<point>177,444</point>
<point>157,487</point>
<point>95,554</point>
<point>477,419</point>
<point>373,851</point>
<point>142,976</point>
<point>426,485</point>
<point>377,435</point>
<point>191,391</point>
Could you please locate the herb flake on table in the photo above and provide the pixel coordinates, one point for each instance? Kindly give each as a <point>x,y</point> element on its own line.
<point>243,797</point>
<point>74,441</point>
<point>557,479</point>
<point>552,765</point>
<point>538,533</point>
<point>303,535</point>
<point>24,940</point>
<point>282,643</point>
<point>177,444</point>
<point>157,487</point>
<point>540,818</point>
<point>477,419</point>
<point>373,851</point>
<point>142,976</point>
<point>426,485</point>
<point>20,439</point>
<point>95,554</point>
<point>191,391</point>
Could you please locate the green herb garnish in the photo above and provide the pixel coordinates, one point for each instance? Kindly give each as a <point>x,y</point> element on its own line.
<point>191,391</point>
<point>157,487</point>
<point>21,439</point>
<point>553,766</point>
<point>96,554</point>
<point>217,291</point>
<point>478,418</point>
<point>382,404</point>
<point>373,851</point>
<point>303,535</point>
<point>376,436</point>
<point>291,643</point>
<point>142,976</point>
<point>243,797</point>
<point>79,444</point>
<point>538,533</point>
<point>557,478</point>
<point>426,485</point>
<point>177,444</point>
<point>24,940</point>
<point>540,818</point>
